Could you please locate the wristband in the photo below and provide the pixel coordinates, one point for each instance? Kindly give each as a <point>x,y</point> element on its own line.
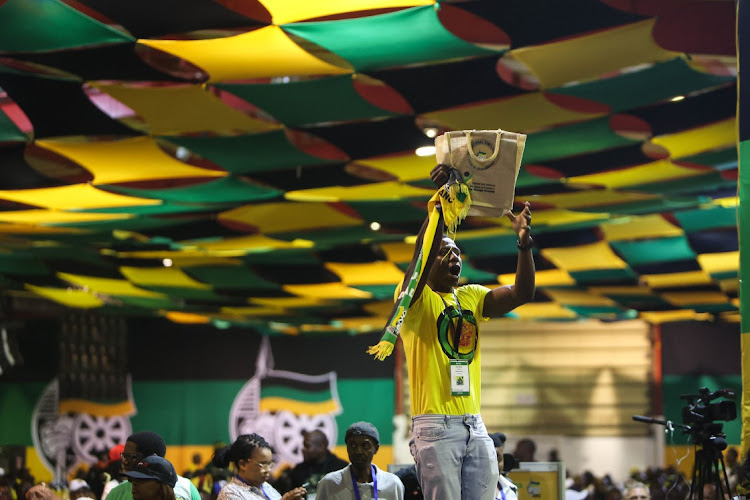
<point>527,246</point>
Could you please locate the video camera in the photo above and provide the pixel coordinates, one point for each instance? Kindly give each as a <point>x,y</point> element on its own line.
<point>700,410</point>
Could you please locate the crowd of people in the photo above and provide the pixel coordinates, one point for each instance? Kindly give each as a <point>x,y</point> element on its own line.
<point>245,470</point>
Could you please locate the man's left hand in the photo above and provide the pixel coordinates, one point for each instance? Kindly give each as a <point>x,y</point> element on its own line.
<point>521,223</point>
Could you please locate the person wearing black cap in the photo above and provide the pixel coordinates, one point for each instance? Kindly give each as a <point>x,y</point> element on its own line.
<point>361,480</point>
<point>153,478</point>
<point>139,446</point>
<point>505,490</point>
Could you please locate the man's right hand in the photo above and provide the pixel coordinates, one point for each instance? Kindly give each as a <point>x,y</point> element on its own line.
<point>440,174</point>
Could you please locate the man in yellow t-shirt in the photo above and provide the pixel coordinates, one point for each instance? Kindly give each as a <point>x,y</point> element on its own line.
<point>454,455</point>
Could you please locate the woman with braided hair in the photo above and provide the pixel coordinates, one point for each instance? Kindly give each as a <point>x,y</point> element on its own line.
<point>252,457</point>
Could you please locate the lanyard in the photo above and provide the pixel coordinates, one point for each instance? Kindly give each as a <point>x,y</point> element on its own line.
<point>459,324</point>
<point>374,483</point>
<point>259,487</point>
<point>500,486</point>
<point>269,498</point>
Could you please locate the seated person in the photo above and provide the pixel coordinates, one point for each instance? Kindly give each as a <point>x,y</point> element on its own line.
<point>317,461</point>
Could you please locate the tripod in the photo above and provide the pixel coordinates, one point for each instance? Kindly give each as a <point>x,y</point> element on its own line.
<point>709,468</point>
<point>709,461</point>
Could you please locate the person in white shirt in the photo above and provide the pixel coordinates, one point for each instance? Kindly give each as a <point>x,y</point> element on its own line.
<point>361,480</point>
<point>505,489</point>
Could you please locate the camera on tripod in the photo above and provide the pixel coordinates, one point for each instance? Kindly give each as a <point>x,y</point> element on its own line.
<point>699,421</point>
<point>700,410</point>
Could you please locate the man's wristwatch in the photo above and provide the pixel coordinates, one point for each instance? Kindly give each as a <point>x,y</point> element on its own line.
<point>527,246</point>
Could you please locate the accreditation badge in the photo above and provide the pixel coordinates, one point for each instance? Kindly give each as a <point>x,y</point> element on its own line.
<point>459,377</point>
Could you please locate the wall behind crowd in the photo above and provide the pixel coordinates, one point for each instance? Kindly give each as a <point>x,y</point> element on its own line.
<point>196,385</point>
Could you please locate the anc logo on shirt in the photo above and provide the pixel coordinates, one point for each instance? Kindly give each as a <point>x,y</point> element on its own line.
<point>467,343</point>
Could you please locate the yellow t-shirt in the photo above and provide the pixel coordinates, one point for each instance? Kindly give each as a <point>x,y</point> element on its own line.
<point>428,336</point>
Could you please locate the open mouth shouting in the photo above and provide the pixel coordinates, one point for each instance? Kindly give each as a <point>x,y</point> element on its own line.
<point>455,270</point>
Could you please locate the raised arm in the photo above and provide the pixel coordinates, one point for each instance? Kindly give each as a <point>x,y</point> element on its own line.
<point>502,300</point>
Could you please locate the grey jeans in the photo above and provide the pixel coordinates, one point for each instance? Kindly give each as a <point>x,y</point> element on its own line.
<point>455,457</point>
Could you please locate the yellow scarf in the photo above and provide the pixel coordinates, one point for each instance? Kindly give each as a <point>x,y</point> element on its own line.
<point>447,207</point>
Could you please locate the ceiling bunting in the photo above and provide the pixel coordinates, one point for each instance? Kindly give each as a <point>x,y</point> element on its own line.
<point>107,286</point>
<point>336,291</point>
<point>58,106</point>
<point>537,21</point>
<point>309,177</point>
<point>294,302</point>
<point>677,280</point>
<point>522,113</point>
<point>45,233</point>
<point>404,166</point>
<point>495,243</point>
<point>720,159</point>
<point>637,253</point>
<point>697,27</point>
<point>253,244</point>
<point>690,112</point>
<point>118,61</point>
<point>548,311</point>
<point>249,154</point>
<point>658,171</point>
<point>169,17</point>
<point>584,137</point>
<point>15,171</point>
<point>653,204</point>
<point>714,241</point>
<point>45,25</point>
<point>9,131</point>
<point>699,301</point>
<point>598,161</point>
<point>707,218</point>
<point>371,273</point>
<point>164,209</point>
<point>544,278</point>
<point>77,299</point>
<point>228,278</point>
<point>717,135</point>
<point>273,218</point>
<point>161,276</point>
<point>296,274</point>
<point>633,228</point>
<point>461,82</point>
<point>720,263</point>
<point>183,109</point>
<point>600,199</point>
<point>552,219</point>
<point>356,139</point>
<point>264,53</point>
<point>341,98</point>
<point>709,184</point>
<point>285,11</point>
<point>386,212</point>
<point>589,56</point>
<point>633,89</point>
<point>129,160</point>
<point>368,192</point>
<point>223,191</point>
<point>20,264</point>
<point>330,238</point>
<point>589,257</point>
<point>578,297</point>
<point>72,198</point>
<point>55,217</point>
<point>408,36</point>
